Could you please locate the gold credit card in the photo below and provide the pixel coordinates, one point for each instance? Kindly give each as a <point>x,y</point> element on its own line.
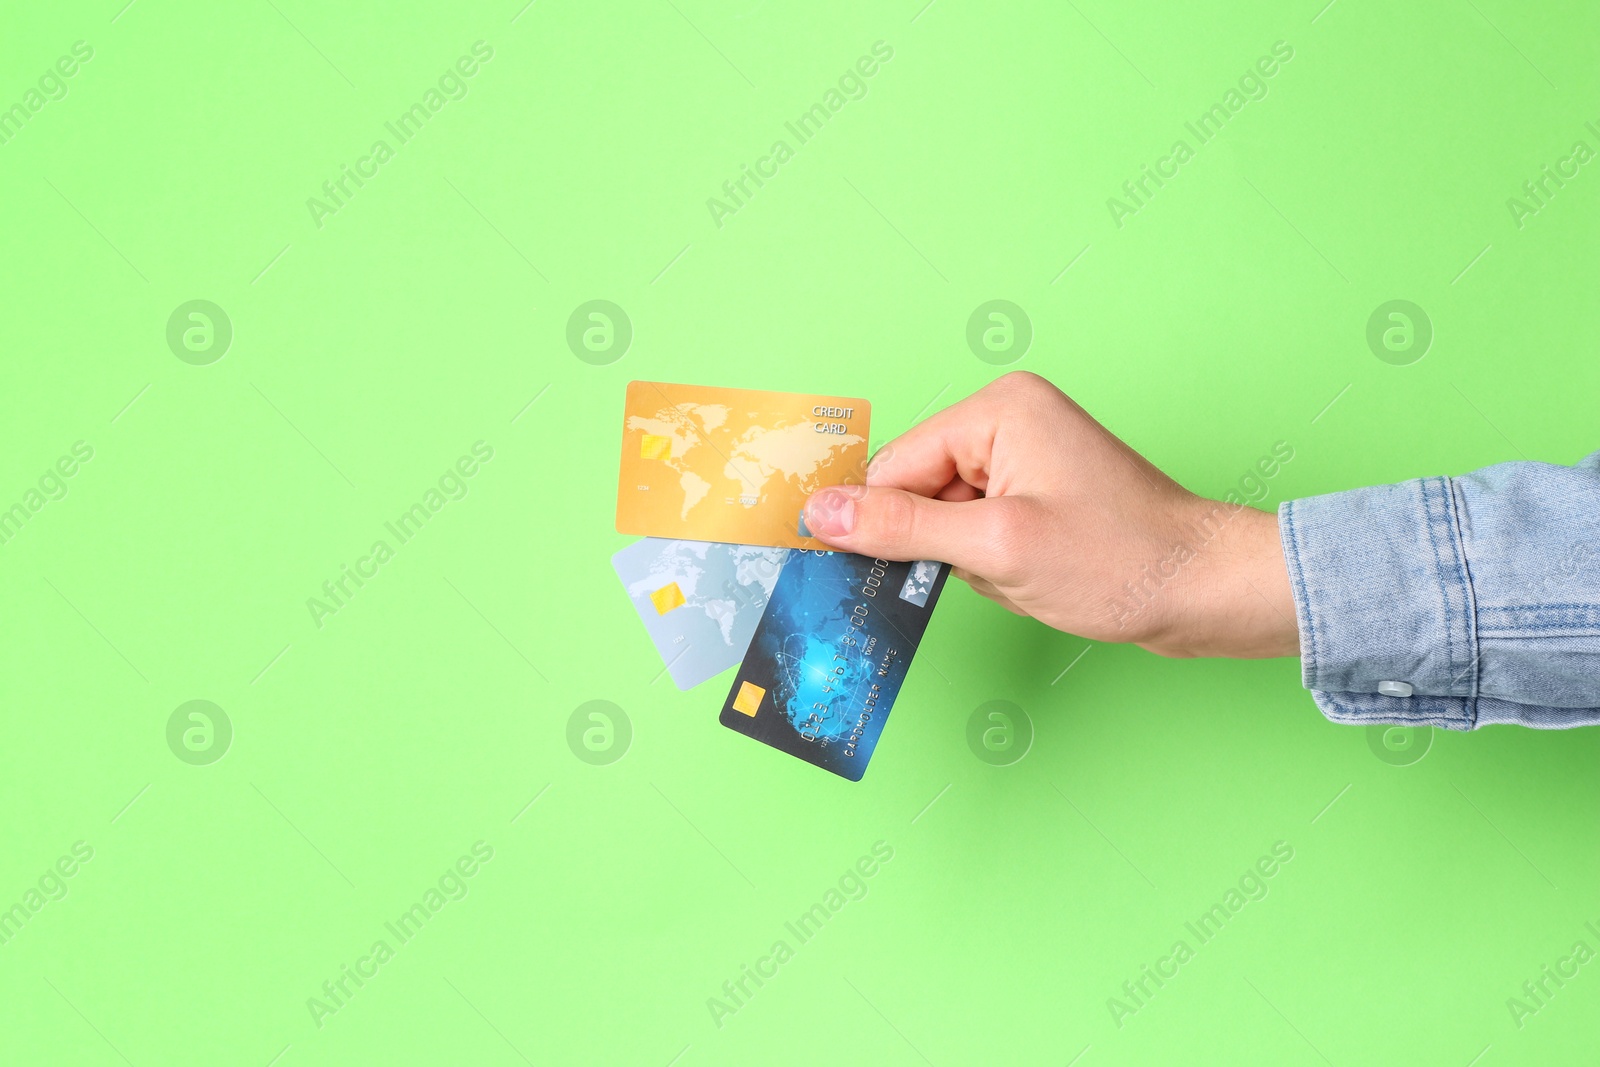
<point>708,464</point>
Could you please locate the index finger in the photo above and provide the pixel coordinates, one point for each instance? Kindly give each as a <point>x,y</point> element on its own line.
<point>957,442</point>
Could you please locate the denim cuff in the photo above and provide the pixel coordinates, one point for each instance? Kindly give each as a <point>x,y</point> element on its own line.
<point>1382,594</point>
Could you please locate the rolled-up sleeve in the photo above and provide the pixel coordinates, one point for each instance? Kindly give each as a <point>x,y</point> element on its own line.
<point>1452,602</point>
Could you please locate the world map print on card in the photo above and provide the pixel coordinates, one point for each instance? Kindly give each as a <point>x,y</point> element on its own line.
<point>699,600</point>
<point>733,465</point>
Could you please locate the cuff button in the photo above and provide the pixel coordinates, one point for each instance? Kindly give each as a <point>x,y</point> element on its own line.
<point>1394,689</point>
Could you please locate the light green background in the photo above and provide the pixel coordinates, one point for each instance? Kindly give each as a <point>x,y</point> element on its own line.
<point>368,354</point>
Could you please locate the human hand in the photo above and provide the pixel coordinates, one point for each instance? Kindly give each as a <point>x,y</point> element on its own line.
<point>1041,509</point>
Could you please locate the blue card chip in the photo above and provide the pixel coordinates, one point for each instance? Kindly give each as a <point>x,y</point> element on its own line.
<point>830,654</point>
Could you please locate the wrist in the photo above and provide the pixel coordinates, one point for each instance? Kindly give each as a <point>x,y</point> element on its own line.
<point>1236,601</point>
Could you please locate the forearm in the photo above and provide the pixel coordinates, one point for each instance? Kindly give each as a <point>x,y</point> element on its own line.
<point>1455,602</point>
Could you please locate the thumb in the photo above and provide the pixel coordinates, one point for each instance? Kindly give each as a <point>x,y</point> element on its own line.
<point>890,523</point>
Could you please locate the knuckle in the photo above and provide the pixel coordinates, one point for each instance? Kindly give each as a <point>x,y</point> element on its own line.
<point>1025,382</point>
<point>894,520</point>
<point>1024,392</point>
<point>1034,394</point>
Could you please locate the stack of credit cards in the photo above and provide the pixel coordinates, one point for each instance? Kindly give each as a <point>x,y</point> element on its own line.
<point>716,480</point>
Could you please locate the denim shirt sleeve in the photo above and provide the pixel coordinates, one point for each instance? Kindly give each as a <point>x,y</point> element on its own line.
<point>1480,592</point>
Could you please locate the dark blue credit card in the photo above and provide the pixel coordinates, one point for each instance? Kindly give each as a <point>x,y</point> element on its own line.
<point>830,654</point>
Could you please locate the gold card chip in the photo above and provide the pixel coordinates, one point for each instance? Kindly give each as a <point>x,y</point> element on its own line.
<point>655,446</point>
<point>748,701</point>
